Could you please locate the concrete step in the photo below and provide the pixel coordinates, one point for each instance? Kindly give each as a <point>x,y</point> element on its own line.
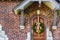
<point>0,27</point>
<point>2,33</point>
<point>1,38</point>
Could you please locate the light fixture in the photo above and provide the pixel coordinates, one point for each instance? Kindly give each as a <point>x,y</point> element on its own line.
<point>38,12</point>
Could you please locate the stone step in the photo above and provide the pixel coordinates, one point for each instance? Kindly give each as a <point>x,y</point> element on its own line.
<point>6,38</point>
<point>1,38</point>
<point>2,33</point>
<point>0,27</point>
<point>50,38</point>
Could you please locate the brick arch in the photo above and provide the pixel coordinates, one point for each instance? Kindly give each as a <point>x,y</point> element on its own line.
<point>42,16</point>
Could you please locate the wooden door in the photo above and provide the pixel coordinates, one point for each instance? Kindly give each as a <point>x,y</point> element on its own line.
<point>36,36</point>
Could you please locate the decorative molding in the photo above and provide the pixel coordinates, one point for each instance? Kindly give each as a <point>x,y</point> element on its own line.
<point>22,20</point>
<point>22,27</point>
<point>55,20</point>
<point>54,27</point>
<point>29,2</point>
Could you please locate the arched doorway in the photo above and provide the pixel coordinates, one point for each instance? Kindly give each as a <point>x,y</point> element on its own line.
<point>36,36</point>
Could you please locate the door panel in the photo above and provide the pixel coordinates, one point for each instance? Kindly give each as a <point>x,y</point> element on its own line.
<point>36,36</point>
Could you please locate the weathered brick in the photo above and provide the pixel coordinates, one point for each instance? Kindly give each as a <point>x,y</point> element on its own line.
<point>11,22</point>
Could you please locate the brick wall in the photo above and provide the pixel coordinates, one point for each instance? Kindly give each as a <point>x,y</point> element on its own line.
<point>10,21</point>
<point>56,33</point>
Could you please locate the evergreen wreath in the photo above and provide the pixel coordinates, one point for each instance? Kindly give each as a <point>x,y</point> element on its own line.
<point>41,30</point>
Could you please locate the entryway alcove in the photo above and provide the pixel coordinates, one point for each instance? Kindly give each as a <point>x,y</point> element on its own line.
<point>44,15</point>
<point>34,35</point>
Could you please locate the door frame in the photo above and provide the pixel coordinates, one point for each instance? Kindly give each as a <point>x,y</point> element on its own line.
<point>45,20</point>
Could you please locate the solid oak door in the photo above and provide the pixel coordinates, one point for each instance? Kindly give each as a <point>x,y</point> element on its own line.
<point>36,36</point>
